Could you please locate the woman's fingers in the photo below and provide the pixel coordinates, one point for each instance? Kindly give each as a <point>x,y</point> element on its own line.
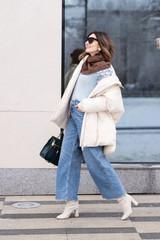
<point>78,108</point>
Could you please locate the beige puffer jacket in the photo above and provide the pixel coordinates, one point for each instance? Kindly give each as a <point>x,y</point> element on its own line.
<point>103,109</point>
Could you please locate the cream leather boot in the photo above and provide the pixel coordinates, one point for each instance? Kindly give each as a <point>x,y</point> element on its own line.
<point>125,204</point>
<point>71,206</point>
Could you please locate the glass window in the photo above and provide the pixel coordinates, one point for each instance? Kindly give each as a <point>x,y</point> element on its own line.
<point>134,27</point>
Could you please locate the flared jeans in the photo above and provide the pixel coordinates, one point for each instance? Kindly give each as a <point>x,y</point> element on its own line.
<point>68,172</point>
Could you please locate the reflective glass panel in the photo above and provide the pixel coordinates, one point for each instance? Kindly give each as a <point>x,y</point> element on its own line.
<point>134,27</point>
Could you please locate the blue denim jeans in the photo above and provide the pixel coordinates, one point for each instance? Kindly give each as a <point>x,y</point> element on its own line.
<point>68,173</point>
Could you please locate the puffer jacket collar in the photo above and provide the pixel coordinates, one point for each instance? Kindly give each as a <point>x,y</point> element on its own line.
<point>104,84</point>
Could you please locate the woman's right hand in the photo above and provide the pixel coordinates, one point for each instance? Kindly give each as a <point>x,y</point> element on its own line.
<point>78,108</point>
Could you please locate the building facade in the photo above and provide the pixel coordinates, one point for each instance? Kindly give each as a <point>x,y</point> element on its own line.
<point>31,59</point>
<point>30,76</point>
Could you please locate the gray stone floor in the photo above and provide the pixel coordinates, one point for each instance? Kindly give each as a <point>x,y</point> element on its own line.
<point>99,219</point>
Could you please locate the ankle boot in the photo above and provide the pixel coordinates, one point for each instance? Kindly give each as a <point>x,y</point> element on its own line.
<point>71,206</point>
<point>125,204</point>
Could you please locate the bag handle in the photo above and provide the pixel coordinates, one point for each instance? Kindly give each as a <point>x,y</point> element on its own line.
<point>61,133</point>
<point>62,130</point>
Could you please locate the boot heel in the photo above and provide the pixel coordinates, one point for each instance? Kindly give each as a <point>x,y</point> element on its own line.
<point>76,212</point>
<point>135,203</point>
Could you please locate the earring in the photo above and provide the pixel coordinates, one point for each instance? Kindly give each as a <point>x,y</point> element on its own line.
<point>99,49</point>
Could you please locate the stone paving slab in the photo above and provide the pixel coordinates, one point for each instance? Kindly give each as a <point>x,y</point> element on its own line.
<point>35,237</point>
<point>29,198</point>
<point>149,198</point>
<point>147,227</point>
<point>70,223</point>
<point>120,236</point>
<point>148,211</point>
<point>59,208</point>
<point>51,197</point>
<point>99,219</point>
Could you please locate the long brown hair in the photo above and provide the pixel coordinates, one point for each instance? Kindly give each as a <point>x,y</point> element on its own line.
<point>106,45</point>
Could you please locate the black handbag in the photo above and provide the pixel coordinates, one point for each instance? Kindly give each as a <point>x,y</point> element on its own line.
<point>51,150</point>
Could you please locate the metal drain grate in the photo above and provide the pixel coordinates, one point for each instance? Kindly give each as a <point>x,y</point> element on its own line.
<point>26,205</point>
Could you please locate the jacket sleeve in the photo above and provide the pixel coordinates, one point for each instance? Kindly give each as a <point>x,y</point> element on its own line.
<point>110,101</point>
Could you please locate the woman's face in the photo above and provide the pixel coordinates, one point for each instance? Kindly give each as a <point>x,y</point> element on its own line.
<point>92,48</point>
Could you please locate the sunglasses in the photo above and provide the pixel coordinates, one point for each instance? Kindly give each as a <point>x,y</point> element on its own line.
<point>91,39</point>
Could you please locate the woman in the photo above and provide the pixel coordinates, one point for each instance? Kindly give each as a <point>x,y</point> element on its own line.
<point>89,109</point>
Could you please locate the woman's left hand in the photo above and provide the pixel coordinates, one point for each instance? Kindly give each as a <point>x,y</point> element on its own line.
<point>78,108</point>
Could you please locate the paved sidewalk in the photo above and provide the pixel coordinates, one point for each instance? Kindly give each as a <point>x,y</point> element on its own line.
<point>99,219</point>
